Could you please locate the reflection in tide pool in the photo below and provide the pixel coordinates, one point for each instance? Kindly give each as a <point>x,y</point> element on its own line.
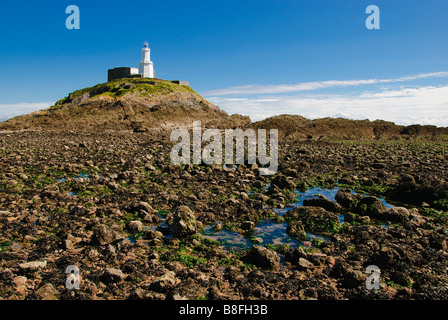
<point>330,194</point>
<point>229,239</point>
<point>82,176</point>
<point>270,232</point>
<point>274,233</point>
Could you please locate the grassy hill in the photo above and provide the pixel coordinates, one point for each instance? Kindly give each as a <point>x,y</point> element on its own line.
<point>127,104</point>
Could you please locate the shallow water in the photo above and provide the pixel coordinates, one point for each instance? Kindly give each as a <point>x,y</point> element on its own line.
<point>274,233</point>
<point>229,239</point>
<point>82,175</point>
<point>330,194</point>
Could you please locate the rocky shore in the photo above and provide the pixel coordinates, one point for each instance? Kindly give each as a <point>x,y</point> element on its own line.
<point>114,206</point>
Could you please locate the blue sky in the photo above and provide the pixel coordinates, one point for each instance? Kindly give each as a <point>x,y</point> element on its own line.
<point>315,58</point>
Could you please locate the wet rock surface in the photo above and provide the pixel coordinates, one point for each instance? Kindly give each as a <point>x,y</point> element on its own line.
<point>262,257</point>
<point>114,206</point>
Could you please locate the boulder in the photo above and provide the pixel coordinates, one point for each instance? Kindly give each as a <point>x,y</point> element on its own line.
<point>290,172</point>
<point>134,226</point>
<point>372,207</point>
<point>165,282</point>
<point>103,235</point>
<point>33,265</point>
<point>293,255</point>
<point>6,214</point>
<point>296,230</point>
<point>282,182</point>
<point>386,257</point>
<point>304,264</point>
<point>347,199</point>
<point>323,202</point>
<point>20,285</point>
<point>184,223</point>
<point>396,214</point>
<point>47,292</point>
<point>257,184</point>
<point>138,206</point>
<point>314,219</point>
<point>111,275</point>
<point>248,225</point>
<point>354,279</point>
<point>79,211</point>
<point>68,244</point>
<point>262,257</point>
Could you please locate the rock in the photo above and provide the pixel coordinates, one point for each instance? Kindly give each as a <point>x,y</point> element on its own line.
<point>110,250</point>
<point>185,175</point>
<point>396,214</point>
<point>257,240</point>
<point>142,205</point>
<point>293,255</point>
<point>111,275</point>
<point>304,264</point>
<point>437,241</point>
<point>349,217</point>
<point>323,203</point>
<point>314,219</point>
<point>137,294</point>
<point>345,181</point>
<point>184,223</point>
<point>363,219</point>
<point>367,182</point>
<point>378,165</point>
<point>47,292</point>
<point>103,235</point>
<point>20,281</point>
<point>262,257</point>
<point>354,279</point>
<point>93,254</point>
<point>165,282</point>
<point>415,218</point>
<point>248,225</point>
<point>153,234</point>
<point>51,189</point>
<point>386,257</point>
<point>347,199</point>
<point>257,184</point>
<point>400,277</point>
<point>20,284</point>
<point>364,228</point>
<point>32,266</point>
<point>290,172</point>
<point>134,226</point>
<point>92,289</point>
<point>142,208</point>
<point>296,230</point>
<point>331,260</point>
<point>372,207</point>
<point>282,182</point>
<point>68,245</point>
<point>79,211</point>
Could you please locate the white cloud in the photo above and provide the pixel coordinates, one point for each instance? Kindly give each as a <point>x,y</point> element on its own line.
<point>11,110</point>
<point>308,86</point>
<point>405,106</point>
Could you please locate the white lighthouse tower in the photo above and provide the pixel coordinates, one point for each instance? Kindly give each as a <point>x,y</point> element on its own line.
<point>145,67</point>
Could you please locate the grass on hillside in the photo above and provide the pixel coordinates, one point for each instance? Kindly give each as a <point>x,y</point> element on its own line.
<point>120,87</point>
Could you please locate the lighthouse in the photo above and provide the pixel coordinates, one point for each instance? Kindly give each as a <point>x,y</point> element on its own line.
<point>145,67</point>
